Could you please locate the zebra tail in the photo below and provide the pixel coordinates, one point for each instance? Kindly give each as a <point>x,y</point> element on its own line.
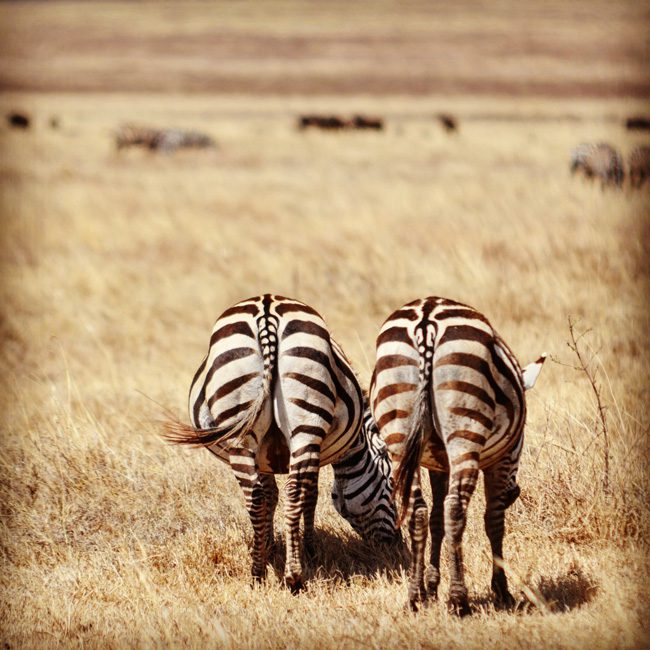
<point>410,462</point>
<point>185,434</point>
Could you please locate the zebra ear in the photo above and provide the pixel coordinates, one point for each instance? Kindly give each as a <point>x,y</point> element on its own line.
<point>531,372</point>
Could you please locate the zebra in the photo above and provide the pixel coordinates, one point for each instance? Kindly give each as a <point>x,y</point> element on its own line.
<point>172,139</point>
<point>598,160</point>
<point>276,394</point>
<point>639,165</point>
<point>168,140</point>
<point>130,135</point>
<point>448,394</point>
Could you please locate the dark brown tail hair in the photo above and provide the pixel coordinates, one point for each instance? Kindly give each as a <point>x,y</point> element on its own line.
<point>419,425</point>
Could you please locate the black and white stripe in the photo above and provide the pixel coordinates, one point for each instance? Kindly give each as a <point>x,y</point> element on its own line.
<point>168,140</point>
<point>598,160</point>
<point>448,394</point>
<point>276,394</point>
<point>360,486</point>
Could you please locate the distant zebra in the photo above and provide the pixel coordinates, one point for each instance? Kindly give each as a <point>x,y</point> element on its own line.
<point>448,394</point>
<point>598,160</point>
<point>276,394</point>
<point>130,135</point>
<point>168,140</point>
<point>639,165</point>
<point>172,139</point>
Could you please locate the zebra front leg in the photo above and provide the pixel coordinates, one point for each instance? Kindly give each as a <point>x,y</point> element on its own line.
<point>271,496</point>
<point>242,462</point>
<point>302,492</point>
<point>498,498</point>
<point>462,485</point>
<point>418,525</point>
<point>439,485</point>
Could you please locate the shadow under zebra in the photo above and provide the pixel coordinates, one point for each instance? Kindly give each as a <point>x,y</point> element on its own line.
<point>552,595</point>
<point>337,558</point>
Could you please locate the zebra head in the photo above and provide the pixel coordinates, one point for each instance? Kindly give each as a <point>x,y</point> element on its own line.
<point>362,489</point>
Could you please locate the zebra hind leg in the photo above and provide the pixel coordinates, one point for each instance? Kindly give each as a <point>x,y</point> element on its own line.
<point>497,500</point>
<point>439,484</point>
<point>418,531</point>
<point>271,496</point>
<point>462,485</point>
<point>302,493</point>
<point>242,462</point>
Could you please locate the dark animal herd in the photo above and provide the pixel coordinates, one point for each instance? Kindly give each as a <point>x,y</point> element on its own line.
<point>598,161</point>
<point>336,122</point>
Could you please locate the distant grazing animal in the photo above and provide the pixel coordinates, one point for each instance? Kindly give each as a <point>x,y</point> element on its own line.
<point>167,140</point>
<point>336,122</point>
<point>598,160</point>
<point>18,120</point>
<point>448,394</point>
<point>448,122</point>
<point>327,122</point>
<point>130,135</point>
<point>172,139</point>
<point>54,122</point>
<point>637,123</point>
<point>276,394</point>
<point>639,165</point>
<point>366,122</point>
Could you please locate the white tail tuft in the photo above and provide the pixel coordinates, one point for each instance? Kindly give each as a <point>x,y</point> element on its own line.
<point>531,371</point>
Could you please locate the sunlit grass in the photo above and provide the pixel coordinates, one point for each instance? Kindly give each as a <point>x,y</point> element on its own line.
<point>114,268</point>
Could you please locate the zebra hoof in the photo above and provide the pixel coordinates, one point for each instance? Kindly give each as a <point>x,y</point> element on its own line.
<point>459,606</point>
<point>412,606</point>
<point>502,597</point>
<point>294,583</point>
<point>258,577</point>
<point>416,596</point>
<point>504,601</point>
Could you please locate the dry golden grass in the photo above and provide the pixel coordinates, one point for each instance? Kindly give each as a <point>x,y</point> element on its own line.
<point>114,267</point>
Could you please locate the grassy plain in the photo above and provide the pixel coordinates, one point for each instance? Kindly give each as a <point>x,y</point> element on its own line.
<point>115,265</point>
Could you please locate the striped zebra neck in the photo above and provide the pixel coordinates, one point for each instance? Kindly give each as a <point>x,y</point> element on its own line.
<point>362,488</point>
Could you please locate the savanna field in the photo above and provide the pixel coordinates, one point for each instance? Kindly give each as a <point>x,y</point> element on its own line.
<point>115,265</point>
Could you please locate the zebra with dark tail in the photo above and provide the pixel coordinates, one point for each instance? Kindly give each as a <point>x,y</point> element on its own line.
<point>448,394</point>
<point>276,394</point>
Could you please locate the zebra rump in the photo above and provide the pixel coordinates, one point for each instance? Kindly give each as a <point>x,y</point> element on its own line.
<point>276,394</point>
<point>448,395</point>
